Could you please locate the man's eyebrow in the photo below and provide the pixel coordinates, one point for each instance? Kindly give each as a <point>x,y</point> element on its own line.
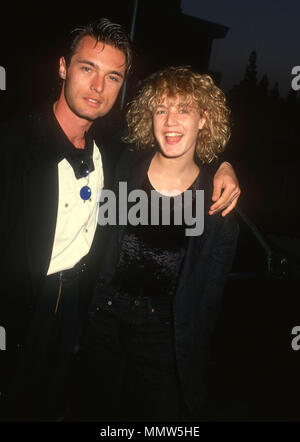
<point>87,62</point>
<point>90,63</point>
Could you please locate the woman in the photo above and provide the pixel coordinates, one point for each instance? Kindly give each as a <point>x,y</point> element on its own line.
<point>155,306</point>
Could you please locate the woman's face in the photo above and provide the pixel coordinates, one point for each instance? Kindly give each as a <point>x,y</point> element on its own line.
<point>176,127</point>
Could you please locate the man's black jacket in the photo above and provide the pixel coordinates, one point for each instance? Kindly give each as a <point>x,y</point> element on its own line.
<point>31,150</point>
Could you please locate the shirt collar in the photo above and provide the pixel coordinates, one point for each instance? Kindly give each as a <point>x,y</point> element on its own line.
<point>56,144</point>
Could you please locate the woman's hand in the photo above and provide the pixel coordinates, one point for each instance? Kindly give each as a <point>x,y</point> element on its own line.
<point>226,190</point>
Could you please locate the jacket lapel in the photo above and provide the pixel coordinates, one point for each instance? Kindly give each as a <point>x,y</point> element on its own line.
<point>40,209</point>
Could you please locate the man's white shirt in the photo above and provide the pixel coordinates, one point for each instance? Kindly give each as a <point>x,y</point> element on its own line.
<point>76,219</point>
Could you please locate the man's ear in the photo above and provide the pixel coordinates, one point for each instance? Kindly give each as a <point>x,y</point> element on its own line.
<point>62,68</point>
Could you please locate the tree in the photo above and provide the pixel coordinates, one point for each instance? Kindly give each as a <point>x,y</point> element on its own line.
<point>250,78</point>
<point>274,94</point>
<point>263,86</point>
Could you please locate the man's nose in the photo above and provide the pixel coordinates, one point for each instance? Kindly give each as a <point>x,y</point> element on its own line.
<point>98,83</point>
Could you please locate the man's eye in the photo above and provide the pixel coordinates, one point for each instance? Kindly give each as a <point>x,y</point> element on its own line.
<point>114,78</point>
<point>86,69</point>
<point>160,112</point>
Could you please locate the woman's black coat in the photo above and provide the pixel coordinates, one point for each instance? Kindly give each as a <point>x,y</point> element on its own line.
<point>204,272</point>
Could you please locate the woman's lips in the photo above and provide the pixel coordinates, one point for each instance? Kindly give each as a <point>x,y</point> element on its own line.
<point>173,137</point>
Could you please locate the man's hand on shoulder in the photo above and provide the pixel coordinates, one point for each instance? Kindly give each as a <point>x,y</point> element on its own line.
<point>226,190</point>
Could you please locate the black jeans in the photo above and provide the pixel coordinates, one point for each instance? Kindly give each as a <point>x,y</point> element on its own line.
<point>39,388</point>
<point>127,370</point>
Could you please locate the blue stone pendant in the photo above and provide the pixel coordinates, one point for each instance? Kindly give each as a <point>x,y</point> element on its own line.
<point>85,192</point>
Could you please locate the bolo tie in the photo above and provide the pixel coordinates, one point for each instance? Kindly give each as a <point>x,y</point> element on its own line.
<point>84,171</point>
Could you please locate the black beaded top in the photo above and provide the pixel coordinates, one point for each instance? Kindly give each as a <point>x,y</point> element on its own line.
<point>151,255</point>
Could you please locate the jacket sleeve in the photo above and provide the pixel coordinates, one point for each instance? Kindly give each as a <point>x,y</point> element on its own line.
<point>108,235</point>
<point>220,262</point>
<point>215,164</point>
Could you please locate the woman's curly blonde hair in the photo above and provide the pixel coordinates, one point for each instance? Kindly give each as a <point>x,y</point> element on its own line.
<point>193,89</point>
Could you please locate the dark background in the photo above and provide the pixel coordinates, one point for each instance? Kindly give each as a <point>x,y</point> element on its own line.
<point>271,27</point>
<point>254,370</point>
<point>265,145</point>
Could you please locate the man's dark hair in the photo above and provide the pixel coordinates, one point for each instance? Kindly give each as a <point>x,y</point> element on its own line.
<point>105,31</point>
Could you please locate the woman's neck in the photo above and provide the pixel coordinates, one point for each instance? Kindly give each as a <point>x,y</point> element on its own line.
<point>172,175</point>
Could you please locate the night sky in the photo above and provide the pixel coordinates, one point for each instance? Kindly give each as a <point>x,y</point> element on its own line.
<point>267,26</point>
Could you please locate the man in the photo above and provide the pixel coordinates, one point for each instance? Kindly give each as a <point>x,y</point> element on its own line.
<point>53,174</point>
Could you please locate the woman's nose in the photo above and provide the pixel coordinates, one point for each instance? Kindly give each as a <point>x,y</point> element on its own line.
<point>170,118</point>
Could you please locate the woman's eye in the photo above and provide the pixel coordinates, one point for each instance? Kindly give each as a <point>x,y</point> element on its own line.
<point>183,111</point>
<point>160,112</point>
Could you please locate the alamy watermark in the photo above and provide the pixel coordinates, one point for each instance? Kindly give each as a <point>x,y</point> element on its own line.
<point>2,79</point>
<point>2,338</point>
<point>296,340</point>
<point>296,80</point>
<point>188,212</point>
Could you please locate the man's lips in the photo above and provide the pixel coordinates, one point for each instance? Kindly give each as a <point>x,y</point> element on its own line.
<point>173,137</point>
<point>93,101</point>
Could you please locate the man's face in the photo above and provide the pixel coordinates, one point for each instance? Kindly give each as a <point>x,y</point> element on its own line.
<point>176,126</point>
<point>93,79</point>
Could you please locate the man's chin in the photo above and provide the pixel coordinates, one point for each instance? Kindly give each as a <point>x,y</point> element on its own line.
<point>88,116</point>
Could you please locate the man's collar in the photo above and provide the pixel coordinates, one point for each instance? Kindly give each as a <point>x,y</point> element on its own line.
<point>78,156</point>
<point>52,142</point>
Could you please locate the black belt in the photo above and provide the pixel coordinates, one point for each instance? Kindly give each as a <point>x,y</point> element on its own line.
<point>69,274</point>
<point>130,308</point>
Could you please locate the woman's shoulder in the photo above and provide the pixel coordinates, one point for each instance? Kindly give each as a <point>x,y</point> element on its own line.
<point>226,223</point>
<point>131,154</point>
<point>131,158</point>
